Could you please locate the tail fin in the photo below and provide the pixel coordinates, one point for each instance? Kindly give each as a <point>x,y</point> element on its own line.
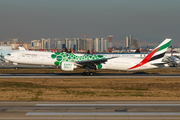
<point>21,48</point>
<point>156,55</point>
<point>159,52</point>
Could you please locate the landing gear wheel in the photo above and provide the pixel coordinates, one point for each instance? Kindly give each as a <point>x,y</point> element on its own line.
<point>87,73</point>
<point>84,73</point>
<point>90,73</point>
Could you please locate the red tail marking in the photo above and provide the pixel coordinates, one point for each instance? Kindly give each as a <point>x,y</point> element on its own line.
<point>145,60</point>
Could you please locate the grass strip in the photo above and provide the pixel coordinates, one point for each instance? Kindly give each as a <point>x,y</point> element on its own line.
<point>43,89</point>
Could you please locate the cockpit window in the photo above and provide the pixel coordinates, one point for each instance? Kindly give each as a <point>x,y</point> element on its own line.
<point>9,54</point>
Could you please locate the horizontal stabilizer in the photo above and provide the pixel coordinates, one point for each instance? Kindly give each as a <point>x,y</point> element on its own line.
<point>162,63</point>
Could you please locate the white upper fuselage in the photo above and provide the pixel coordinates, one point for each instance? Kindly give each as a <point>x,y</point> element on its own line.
<point>136,55</point>
<point>175,60</point>
<point>31,57</point>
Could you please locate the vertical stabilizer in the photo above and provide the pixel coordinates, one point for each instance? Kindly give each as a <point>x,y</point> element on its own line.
<point>156,55</point>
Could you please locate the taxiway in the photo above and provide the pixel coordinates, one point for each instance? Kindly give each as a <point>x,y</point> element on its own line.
<point>108,110</point>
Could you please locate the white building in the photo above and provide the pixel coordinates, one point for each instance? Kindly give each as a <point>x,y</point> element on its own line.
<point>45,44</point>
<point>95,45</point>
<point>35,44</point>
<point>100,45</point>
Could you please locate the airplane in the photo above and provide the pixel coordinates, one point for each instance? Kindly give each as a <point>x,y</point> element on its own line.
<point>70,61</point>
<point>174,60</point>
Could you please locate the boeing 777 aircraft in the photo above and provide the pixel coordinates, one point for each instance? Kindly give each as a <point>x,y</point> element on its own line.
<point>70,61</point>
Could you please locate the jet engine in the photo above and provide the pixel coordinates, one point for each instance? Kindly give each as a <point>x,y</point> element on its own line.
<point>68,66</point>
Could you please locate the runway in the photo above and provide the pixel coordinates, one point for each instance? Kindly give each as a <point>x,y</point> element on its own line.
<point>79,75</point>
<point>101,110</point>
<point>95,75</point>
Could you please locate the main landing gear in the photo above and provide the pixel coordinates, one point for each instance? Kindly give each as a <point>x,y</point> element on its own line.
<point>88,73</point>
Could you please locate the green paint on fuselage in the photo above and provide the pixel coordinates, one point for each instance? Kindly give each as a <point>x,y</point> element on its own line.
<point>70,57</point>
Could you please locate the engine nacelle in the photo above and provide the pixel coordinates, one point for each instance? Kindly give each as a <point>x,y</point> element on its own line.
<point>68,66</point>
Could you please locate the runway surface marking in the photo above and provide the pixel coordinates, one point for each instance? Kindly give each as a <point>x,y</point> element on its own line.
<point>99,105</point>
<point>103,113</point>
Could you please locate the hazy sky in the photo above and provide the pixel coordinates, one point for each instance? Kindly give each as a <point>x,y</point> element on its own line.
<point>150,20</point>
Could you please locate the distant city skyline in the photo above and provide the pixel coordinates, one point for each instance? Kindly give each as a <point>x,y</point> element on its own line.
<point>121,43</point>
<point>150,21</point>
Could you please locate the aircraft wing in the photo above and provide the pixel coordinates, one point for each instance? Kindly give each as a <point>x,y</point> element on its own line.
<point>92,62</point>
